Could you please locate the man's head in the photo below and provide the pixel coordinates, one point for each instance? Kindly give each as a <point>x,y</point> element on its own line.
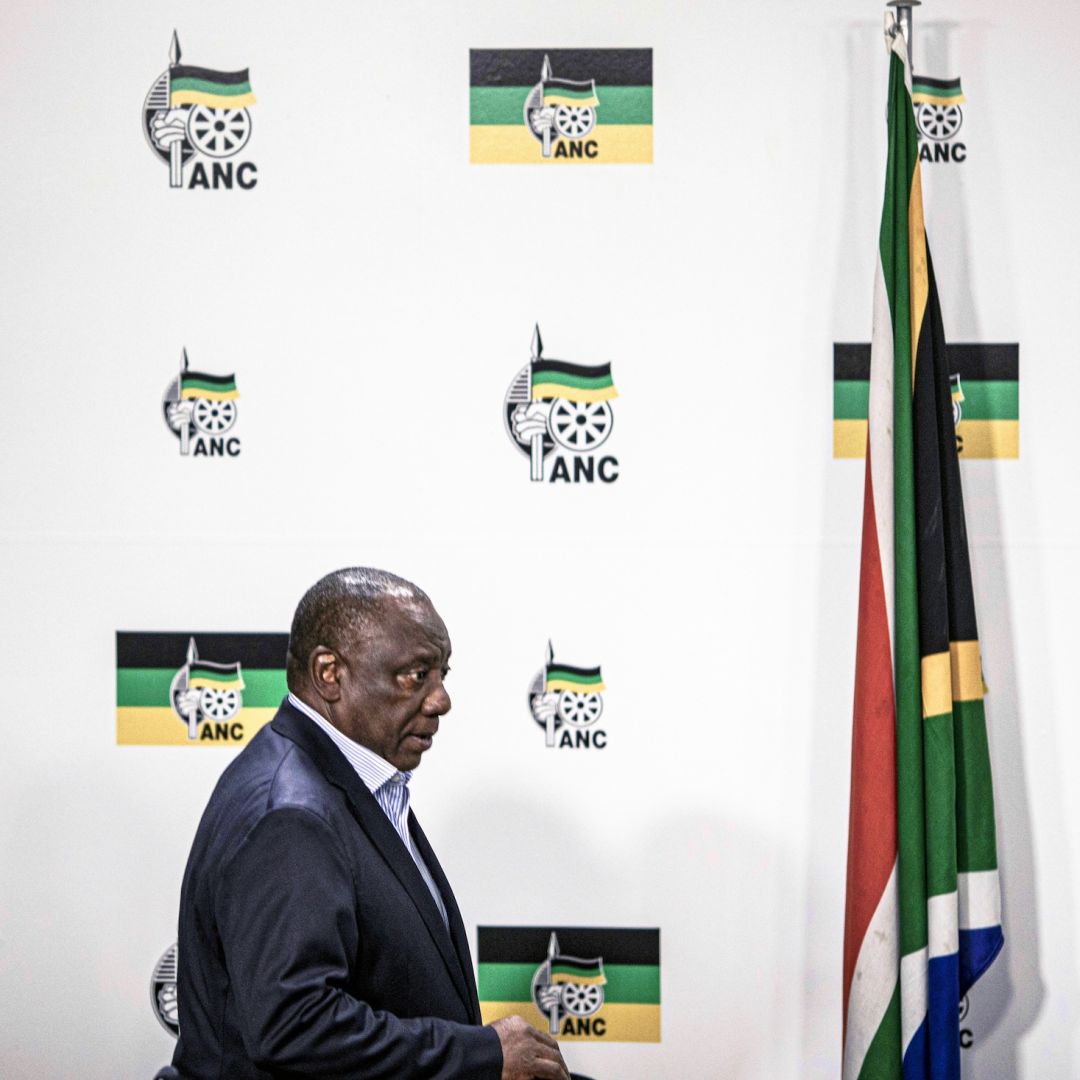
<point>368,650</point>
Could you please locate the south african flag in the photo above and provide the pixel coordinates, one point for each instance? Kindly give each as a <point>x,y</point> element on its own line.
<point>580,680</point>
<point>203,86</point>
<point>923,917</point>
<point>572,382</point>
<point>198,384</point>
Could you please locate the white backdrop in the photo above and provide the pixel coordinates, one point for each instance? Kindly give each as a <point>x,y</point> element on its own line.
<point>375,294</point>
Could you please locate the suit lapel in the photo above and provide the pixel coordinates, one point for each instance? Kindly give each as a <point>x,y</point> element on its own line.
<point>457,927</point>
<point>369,815</point>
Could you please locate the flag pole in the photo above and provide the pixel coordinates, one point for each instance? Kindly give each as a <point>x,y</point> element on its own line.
<point>192,715</point>
<point>536,443</point>
<point>903,19</point>
<point>176,147</point>
<point>185,430</point>
<point>550,721</point>
<point>545,74</point>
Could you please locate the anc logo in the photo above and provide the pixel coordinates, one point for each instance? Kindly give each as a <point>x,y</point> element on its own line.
<point>598,108</point>
<point>984,390</point>
<point>563,411</point>
<point>163,991</point>
<point>168,695</point>
<point>567,699</point>
<point>194,113</point>
<point>200,410</point>
<point>575,983</point>
<point>938,117</point>
<point>205,690</point>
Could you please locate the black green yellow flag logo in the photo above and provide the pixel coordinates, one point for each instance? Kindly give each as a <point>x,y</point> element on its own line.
<point>567,701</point>
<point>200,410</point>
<point>200,115</point>
<point>551,106</point>
<point>194,689</point>
<point>576,983</point>
<point>985,392</point>
<point>562,411</point>
<point>938,118</point>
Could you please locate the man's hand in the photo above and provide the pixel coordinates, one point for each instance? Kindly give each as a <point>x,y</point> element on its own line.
<point>169,127</point>
<point>542,118</point>
<point>528,1054</point>
<point>544,706</point>
<point>529,420</point>
<point>178,414</point>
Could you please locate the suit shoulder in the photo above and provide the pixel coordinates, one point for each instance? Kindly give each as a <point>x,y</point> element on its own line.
<point>271,773</point>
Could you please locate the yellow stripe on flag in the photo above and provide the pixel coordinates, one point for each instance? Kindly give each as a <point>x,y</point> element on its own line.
<point>190,393</point>
<point>158,725</point>
<point>511,144</point>
<point>918,273</point>
<point>967,680</point>
<point>937,697</point>
<point>216,101</point>
<point>621,1022</point>
<point>927,98</point>
<point>980,439</point>
<point>542,390</point>
<point>577,688</point>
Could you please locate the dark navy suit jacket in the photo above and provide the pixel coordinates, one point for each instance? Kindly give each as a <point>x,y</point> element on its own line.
<point>309,943</point>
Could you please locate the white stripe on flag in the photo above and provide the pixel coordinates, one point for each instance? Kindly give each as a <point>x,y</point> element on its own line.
<point>980,899</point>
<point>941,916</point>
<point>874,980</point>
<point>914,995</point>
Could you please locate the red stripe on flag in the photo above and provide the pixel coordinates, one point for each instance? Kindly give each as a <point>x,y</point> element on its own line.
<point>872,820</point>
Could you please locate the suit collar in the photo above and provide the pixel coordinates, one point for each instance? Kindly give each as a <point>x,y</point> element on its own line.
<point>329,760</point>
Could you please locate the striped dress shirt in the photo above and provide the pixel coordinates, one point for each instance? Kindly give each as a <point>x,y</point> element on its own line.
<point>389,785</point>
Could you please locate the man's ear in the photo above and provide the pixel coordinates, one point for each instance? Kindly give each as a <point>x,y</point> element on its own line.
<point>324,670</point>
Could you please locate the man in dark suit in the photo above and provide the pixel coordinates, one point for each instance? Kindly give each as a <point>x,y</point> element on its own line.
<point>318,934</point>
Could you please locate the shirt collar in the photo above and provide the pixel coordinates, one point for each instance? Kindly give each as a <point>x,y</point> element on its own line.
<point>369,766</point>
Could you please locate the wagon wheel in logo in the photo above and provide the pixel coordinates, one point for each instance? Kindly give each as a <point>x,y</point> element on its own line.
<point>219,704</point>
<point>580,710</point>
<point>213,417</point>
<point>580,425</point>
<point>218,133</point>
<point>938,122</point>
<point>574,121</point>
<point>581,999</point>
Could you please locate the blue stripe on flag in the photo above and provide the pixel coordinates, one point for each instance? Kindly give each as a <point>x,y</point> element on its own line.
<point>915,1055</point>
<point>977,951</point>
<point>943,1017</point>
<point>934,1050</point>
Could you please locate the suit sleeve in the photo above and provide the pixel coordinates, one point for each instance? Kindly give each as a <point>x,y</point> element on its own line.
<point>286,912</point>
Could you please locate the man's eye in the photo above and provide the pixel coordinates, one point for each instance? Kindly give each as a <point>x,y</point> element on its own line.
<point>419,676</point>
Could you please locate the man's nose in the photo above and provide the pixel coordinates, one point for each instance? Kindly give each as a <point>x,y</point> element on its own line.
<point>437,703</point>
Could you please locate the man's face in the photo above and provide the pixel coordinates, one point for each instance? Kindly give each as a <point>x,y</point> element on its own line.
<point>390,682</point>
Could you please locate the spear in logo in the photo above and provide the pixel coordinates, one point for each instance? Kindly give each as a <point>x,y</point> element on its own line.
<point>185,414</point>
<point>550,720</point>
<point>176,147</point>
<point>544,980</point>
<point>536,443</point>
<point>191,713</point>
<point>545,76</point>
